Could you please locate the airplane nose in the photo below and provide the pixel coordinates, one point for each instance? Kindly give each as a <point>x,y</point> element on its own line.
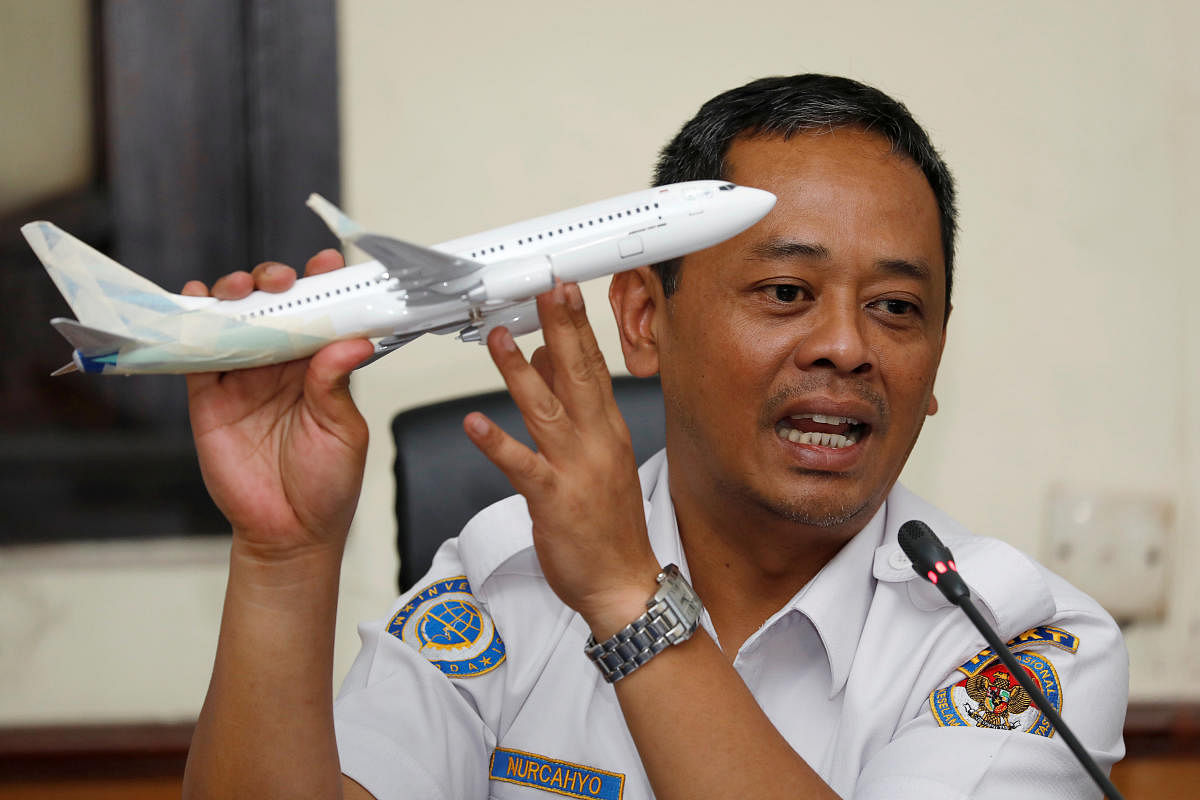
<point>757,201</point>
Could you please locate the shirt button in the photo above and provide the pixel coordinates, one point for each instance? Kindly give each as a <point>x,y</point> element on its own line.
<point>897,560</point>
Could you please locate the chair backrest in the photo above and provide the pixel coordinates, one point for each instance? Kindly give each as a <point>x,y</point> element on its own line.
<point>442,480</point>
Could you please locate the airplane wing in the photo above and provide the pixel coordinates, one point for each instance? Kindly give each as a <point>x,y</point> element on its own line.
<point>414,266</point>
<point>423,267</point>
<point>387,345</point>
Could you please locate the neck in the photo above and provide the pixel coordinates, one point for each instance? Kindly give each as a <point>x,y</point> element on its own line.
<point>745,561</point>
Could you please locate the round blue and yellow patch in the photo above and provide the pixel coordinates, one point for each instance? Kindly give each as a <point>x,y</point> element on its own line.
<point>445,623</point>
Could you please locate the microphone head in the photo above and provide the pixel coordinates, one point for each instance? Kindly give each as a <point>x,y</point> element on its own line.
<point>921,544</point>
<point>930,558</point>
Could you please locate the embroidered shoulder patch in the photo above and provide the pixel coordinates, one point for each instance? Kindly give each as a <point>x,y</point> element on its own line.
<point>559,777</point>
<point>989,696</point>
<point>446,624</point>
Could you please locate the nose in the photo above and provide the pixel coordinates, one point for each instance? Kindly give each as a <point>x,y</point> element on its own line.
<point>836,339</point>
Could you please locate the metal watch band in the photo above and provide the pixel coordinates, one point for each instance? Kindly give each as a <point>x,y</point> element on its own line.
<point>672,616</point>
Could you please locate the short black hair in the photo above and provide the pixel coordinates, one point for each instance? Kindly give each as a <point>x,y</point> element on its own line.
<point>785,106</point>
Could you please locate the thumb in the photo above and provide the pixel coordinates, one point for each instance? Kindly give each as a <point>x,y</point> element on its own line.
<point>327,383</point>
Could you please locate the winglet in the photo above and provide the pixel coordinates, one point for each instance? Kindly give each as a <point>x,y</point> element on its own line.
<point>342,226</point>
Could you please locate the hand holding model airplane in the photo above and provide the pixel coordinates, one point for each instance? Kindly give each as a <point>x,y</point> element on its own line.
<point>468,286</point>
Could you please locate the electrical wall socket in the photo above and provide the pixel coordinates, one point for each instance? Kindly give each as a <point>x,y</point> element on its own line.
<point>1114,546</point>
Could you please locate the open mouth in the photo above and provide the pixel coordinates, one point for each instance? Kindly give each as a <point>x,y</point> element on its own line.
<point>821,430</point>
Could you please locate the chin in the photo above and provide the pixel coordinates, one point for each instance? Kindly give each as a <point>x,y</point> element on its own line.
<point>818,509</point>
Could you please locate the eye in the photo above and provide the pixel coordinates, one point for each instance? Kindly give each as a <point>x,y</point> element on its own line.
<point>896,307</point>
<point>784,292</point>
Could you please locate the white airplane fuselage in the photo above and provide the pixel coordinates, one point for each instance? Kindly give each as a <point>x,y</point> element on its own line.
<point>368,300</point>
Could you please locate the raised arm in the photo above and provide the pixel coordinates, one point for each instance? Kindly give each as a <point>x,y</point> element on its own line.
<point>282,450</point>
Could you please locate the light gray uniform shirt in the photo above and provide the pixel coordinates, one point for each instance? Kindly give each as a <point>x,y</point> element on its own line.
<point>476,685</point>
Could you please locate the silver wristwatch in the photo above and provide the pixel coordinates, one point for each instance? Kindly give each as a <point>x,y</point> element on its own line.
<point>671,618</point>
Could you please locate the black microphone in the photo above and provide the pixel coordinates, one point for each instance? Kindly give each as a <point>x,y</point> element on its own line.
<point>933,561</point>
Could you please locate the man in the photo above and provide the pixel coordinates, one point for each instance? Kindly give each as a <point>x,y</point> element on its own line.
<point>798,363</point>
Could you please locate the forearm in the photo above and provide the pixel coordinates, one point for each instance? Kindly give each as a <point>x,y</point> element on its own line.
<point>266,728</point>
<point>700,732</point>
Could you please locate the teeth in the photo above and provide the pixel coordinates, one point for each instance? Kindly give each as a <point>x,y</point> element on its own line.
<point>832,440</point>
<point>827,420</point>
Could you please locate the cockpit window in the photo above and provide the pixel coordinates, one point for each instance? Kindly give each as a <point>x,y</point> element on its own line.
<point>725,187</point>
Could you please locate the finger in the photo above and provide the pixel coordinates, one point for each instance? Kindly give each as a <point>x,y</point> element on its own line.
<point>233,286</point>
<point>195,289</point>
<point>591,350</point>
<point>540,361</point>
<point>271,276</point>
<point>587,336</point>
<point>576,380</point>
<point>525,470</point>
<point>545,417</point>
<point>327,260</point>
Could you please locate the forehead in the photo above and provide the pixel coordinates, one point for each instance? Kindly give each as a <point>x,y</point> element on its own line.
<point>843,189</point>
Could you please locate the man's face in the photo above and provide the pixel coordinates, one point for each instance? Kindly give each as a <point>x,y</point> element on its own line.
<point>798,358</point>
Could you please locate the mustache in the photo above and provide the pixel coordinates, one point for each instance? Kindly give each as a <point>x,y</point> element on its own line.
<point>809,385</point>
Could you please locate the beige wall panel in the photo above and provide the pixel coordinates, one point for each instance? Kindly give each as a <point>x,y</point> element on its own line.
<point>1073,357</point>
<point>46,137</point>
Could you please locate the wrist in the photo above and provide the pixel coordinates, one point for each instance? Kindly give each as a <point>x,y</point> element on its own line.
<point>277,568</point>
<point>621,601</point>
<point>671,617</point>
<point>618,609</point>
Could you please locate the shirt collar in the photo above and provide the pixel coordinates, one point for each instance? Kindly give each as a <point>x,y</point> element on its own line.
<point>836,601</point>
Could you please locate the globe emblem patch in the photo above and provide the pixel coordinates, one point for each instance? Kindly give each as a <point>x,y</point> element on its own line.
<point>445,623</point>
<point>451,624</point>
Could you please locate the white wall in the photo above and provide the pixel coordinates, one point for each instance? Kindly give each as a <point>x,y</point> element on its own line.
<point>1072,356</point>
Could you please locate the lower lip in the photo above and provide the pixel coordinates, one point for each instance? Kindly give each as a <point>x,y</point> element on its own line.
<point>825,459</point>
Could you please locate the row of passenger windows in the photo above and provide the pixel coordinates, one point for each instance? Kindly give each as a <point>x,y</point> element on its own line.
<point>629,212</point>
<point>262,312</point>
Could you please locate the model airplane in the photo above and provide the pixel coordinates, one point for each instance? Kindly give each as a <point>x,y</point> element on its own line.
<point>128,325</point>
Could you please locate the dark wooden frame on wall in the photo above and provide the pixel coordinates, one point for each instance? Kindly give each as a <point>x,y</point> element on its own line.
<point>212,123</point>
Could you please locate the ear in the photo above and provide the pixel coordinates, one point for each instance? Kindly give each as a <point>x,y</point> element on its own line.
<point>636,298</point>
<point>933,402</point>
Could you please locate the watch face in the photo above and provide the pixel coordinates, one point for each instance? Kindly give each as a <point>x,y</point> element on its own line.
<point>683,601</point>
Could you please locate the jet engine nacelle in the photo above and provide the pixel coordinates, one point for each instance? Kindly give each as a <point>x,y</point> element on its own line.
<point>515,280</point>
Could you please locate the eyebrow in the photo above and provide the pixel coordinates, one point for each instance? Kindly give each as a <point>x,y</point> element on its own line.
<point>917,270</point>
<point>785,249</point>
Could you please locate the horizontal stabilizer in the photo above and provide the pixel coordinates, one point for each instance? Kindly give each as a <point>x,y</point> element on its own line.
<point>90,342</point>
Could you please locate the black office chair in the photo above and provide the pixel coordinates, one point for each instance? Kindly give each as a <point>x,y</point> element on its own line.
<point>442,480</point>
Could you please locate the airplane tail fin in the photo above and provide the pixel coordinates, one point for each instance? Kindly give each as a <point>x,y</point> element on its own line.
<point>107,297</point>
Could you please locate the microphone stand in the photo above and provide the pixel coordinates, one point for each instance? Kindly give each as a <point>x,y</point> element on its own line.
<point>933,561</point>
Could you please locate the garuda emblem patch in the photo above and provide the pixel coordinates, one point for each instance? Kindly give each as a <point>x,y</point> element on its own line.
<point>990,697</point>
